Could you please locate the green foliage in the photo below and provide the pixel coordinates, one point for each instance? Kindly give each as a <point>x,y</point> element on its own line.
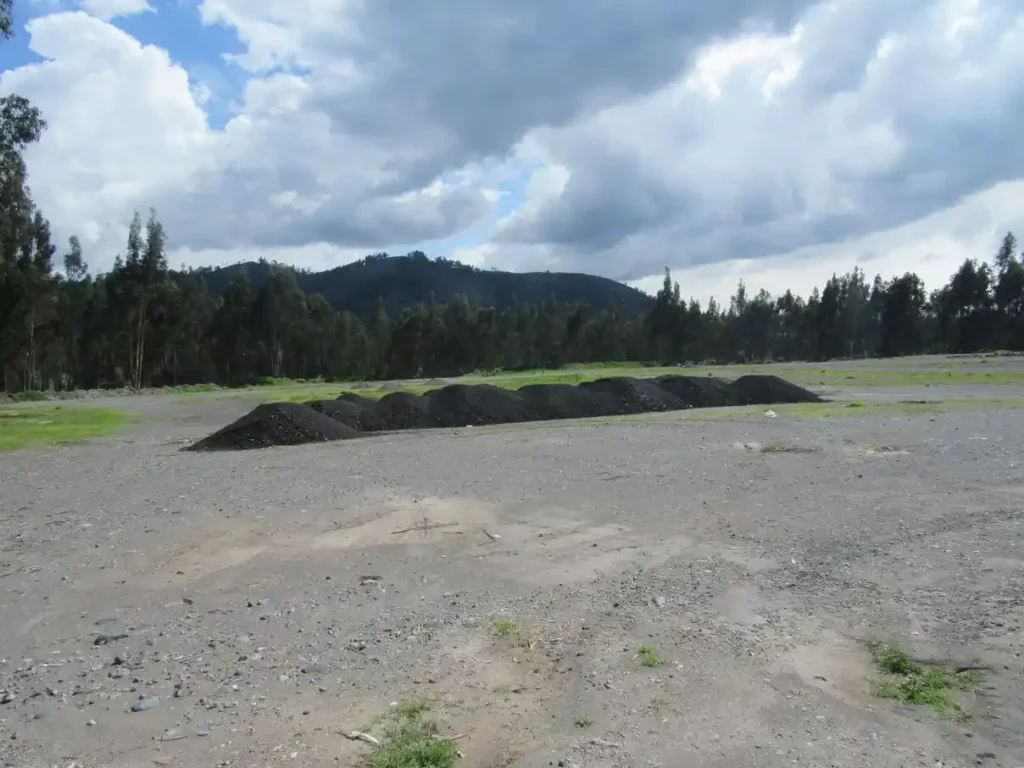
<point>516,631</point>
<point>23,427</point>
<point>646,656</point>
<point>505,628</point>
<point>412,740</point>
<point>30,396</point>
<point>912,682</point>
<point>196,388</point>
<point>275,381</point>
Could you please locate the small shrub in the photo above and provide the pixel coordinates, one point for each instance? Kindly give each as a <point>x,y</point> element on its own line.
<point>505,627</point>
<point>30,396</point>
<point>648,657</point>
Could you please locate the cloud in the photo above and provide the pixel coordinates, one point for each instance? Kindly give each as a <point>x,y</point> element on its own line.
<point>122,122</point>
<point>112,9</point>
<point>774,143</point>
<point>932,247</point>
<point>127,131</point>
<point>604,137</point>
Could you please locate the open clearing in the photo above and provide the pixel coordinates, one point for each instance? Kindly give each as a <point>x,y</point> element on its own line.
<point>707,588</point>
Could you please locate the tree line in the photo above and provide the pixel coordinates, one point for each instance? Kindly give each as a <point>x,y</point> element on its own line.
<point>142,324</point>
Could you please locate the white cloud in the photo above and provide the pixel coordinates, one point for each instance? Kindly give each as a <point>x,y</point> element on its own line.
<point>122,123</point>
<point>666,132</point>
<point>932,247</point>
<point>112,9</point>
<point>714,166</point>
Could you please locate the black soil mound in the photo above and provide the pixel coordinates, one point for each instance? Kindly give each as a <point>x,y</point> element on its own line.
<point>565,401</point>
<point>698,391</point>
<point>356,415</point>
<point>402,410</point>
<point>769,390</point>
<point>634,395</point>
<point>276,424</point>
<point>460,405</point>
<point>361,400</point>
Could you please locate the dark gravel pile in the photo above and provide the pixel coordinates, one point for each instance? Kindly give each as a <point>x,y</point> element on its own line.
<point>565,401</point>
<point>765,389</point>
<point>459,405</point>
<point>402,410</point>
<point>698,391</point>
<point>276,424</point>
<point>361,400</point>
<point>359,416</point>
<point>631,395</point>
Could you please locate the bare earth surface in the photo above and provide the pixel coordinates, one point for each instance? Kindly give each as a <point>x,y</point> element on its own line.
<point>256,605</point>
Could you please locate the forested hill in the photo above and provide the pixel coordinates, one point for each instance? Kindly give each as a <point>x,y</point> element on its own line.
<point>405,281</point>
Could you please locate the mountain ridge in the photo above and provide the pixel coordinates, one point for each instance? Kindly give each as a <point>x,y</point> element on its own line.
<point>405,281</point>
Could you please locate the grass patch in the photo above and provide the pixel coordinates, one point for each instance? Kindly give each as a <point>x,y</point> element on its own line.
<point>909,681</point>
<point>506,627</point>
<point>411,739</point>
<point>584,722</point>
<point>856,404</point>
<point>185,389</point>
<point>646,656</point>
<point>513,630</point>
<point>23,427</point>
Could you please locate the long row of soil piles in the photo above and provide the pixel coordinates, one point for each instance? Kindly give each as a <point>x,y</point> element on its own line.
<point>460,405</point>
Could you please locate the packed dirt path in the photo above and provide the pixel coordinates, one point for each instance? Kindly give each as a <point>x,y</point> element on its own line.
<point>255,606</point>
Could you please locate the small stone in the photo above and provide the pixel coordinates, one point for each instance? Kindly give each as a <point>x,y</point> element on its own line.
<point>110,636</point>
<point>145,704</point>
<point>90,723</point>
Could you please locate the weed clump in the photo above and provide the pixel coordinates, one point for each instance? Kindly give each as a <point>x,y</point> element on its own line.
<point>516,631</point>
<point>648,657</point>
<point>911,682</point>
<point>412,740</point>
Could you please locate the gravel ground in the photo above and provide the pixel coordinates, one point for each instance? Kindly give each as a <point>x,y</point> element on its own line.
<point>169,608</point>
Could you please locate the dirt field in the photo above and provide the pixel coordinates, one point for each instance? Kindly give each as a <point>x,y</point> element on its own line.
<point>254,607</point>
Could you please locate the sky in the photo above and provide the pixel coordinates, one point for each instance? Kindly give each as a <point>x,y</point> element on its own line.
<point>773,141</point>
